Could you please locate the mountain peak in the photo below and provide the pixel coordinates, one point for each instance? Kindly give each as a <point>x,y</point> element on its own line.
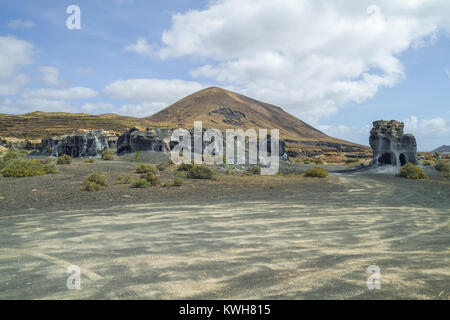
<point>223,109</point>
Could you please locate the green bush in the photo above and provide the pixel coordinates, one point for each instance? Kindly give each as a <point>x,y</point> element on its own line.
<point>201,172</point>
<point>107,155</point>
<point>150,177</point>
<point>444,168</point>
<point>178,182</point>
<point>19,168</point>
<point>427,163</point>
<point>410,171</point>
<point>185,167</point>
<point>254,170</point>
<point>124,180</point>
<point>138,157</point>
<point>90,160</point>
<point>98,179</point>
<point>14,154</point>
<point>316,172</point>
<point>146,168</point>
<point>64,159</point>
<point>140,183</point>
<point>91,186</point>
<point>164,165</point>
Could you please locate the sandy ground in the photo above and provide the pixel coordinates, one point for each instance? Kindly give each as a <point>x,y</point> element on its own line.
<point>281,237</point>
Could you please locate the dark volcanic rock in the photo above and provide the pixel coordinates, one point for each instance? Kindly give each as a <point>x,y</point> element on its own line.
<point>80,144</point>
<point>150,140</point>
<point>390,145</point>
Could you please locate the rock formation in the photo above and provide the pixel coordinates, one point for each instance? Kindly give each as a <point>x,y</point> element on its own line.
<point>390,145</point>
<point>150,140</point>
<point>79,144</point>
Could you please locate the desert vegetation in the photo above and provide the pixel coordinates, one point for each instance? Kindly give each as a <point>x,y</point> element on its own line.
<point>64,159</point>
<point>410,171</point>
<point>107,155</point>
<point>444,168</point>
<point>316,172</point>
<point>94,182</point>
<point>146,168</point>
<point>201,172</point>
<point>19,168</point>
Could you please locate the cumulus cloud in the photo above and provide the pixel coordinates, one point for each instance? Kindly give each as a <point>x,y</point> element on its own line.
<point>154,90</point>
<point>16,24</point>
<point>142,47</point>
<point>309,56</point>
<point>55,94</point>
<point>14,54</point>
<point>435,127</point>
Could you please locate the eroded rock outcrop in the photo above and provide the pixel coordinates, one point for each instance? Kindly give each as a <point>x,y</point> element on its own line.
<point>390,145</point>
<point>79,144</point>
<point>149,140</point>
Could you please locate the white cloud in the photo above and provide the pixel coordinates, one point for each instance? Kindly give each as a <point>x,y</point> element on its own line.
<point>309,56</point>
<point>142,47</point>
<point>152,90</point>
<point>98,107</point>
<point>14,54</point>
<point>55,94</point>
<point>16,24</point>
<point>143,109</point>
<point>50,75</point>
<point>424,128</point>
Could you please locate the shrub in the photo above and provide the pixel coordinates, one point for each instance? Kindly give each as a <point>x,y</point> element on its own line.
<point>90,160</point>
<point>178,182</point>
<point>14,154</point>
<point>138,156</point>
<point>19,168</point>
<point>145,168</point>
<point>140,183</point>
<point>107,155</point>
<point>444,168</point>
<point>124,180</point>
<point>254,170</point>
<point>427,163</point>
<point>164,165</point>
<point>185,167</point>
<point>97,178</point>
<point>410,171</point>
<point>201,172</point>
<point>150,177</point>
<point>91,186</point>
<point>64,159</point>
<point>316,172</point>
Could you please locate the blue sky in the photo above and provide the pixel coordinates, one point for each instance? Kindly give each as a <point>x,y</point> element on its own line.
<point>337,65</point>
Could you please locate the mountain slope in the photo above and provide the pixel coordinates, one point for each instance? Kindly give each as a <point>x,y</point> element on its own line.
<point>442,149</point>
<point>223,109</point>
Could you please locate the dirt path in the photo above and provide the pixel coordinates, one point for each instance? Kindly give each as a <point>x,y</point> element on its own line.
<point>310,243</point>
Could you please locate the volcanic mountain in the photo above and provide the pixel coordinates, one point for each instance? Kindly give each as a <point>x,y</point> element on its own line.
<point>222,109</point>
<point>215,107</point>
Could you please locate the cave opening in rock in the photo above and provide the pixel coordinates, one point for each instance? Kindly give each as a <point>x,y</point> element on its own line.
<point>387,158</point>
<point>402,159</point>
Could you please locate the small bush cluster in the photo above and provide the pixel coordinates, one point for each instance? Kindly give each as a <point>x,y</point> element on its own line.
<point>14,154</point>
<point>107,155</point>
<point>410,171</point>
<point>177,182</point>
<point>254,170</point>
<point>20,168</point>
<point>146,168</point>
<point>316,172</point>
<point>94,182</point>
<point>151,178</point>
<point>64,159</point>
<point>164,165</point>
<point>201,172</point>
<point>427,163</point>
<point>90,160</point>
<point>185,167</point>
<point>124,180</point>
<point>444,168</point>
<point>140,183</point>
